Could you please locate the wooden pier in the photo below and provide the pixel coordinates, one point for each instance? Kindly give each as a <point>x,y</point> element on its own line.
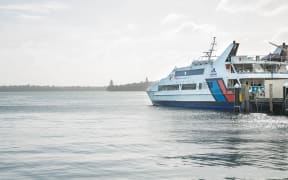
<point>248,104</point>
<point>268,105</point>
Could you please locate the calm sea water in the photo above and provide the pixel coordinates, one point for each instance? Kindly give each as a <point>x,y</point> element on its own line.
<point>120,135</point>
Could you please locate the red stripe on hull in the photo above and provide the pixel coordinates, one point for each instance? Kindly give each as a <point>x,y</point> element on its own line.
<point>229,95</point>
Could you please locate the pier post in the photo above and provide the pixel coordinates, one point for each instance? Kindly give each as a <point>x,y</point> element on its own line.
<point>237,99</point>
<point>271,98</point>
<point>245,98</point>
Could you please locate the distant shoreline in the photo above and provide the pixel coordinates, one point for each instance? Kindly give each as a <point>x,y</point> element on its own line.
<point>142,86</point>
<point>24,88</point>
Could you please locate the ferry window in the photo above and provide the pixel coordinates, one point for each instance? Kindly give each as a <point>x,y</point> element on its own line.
<point>195,72</point>
<point>200,86</point>
<point>189,72</point>
<point>168,87</point>
<point>180,73</point>
<point>188,86</point>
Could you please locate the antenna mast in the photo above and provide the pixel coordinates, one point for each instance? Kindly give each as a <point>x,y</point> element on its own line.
<point>209,53</point>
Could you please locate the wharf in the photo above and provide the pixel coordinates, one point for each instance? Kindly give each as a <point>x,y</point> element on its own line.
<point>267,105</point>
<point>275,103</point>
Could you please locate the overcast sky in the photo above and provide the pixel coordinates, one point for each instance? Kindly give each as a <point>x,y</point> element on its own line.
<point>89,42</point>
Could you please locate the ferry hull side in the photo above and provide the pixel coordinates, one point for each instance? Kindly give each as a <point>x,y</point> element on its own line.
<point>216,96</point>
<point>195,101</point>
<point>196,104</point>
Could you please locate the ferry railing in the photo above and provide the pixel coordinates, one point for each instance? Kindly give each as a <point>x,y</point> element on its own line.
<point>264,72</point>
<point>258,58</point>
<point>240,65</point>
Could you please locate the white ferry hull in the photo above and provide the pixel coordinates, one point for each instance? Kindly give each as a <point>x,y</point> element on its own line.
<point>217,96</point>
<point>175,101</point>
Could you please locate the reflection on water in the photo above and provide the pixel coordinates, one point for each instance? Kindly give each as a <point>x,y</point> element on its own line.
<point>274,156</point>
<point>119,135</point>
<point>247,140</point>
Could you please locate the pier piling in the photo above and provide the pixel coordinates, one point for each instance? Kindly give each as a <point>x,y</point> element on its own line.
<point>245,98</point>
<point>247,103</point>
<point>271,98</point>
<point>237,100</point>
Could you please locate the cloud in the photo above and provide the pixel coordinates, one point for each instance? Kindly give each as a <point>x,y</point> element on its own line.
<point>29,17</point>
<point>281,35</point>
<point>261,7</point>
<point>172,18</point>
<point>177,24</point>
<point>131,27</point>
<point>275,7</point>
<point>236,5</point>
<point>40,8</point>
<point>190,27</point>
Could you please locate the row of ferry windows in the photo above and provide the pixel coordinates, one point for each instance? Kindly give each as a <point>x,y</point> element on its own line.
<point>182,87</point>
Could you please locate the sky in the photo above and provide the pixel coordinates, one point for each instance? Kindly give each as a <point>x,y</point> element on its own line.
<point>90,42</point>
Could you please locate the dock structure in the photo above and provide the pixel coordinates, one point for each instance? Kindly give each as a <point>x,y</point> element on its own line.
<point>273,105</point>
<point>268,105</point>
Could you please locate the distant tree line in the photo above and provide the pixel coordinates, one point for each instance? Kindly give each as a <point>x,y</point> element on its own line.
<point>140,86</point>
<point>50,88</point>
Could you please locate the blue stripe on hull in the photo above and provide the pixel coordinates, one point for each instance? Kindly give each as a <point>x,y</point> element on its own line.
<point>196,105</point>
<point>216,90</point>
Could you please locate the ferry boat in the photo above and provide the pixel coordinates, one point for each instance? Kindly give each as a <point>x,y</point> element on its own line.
<point>212,83</point>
